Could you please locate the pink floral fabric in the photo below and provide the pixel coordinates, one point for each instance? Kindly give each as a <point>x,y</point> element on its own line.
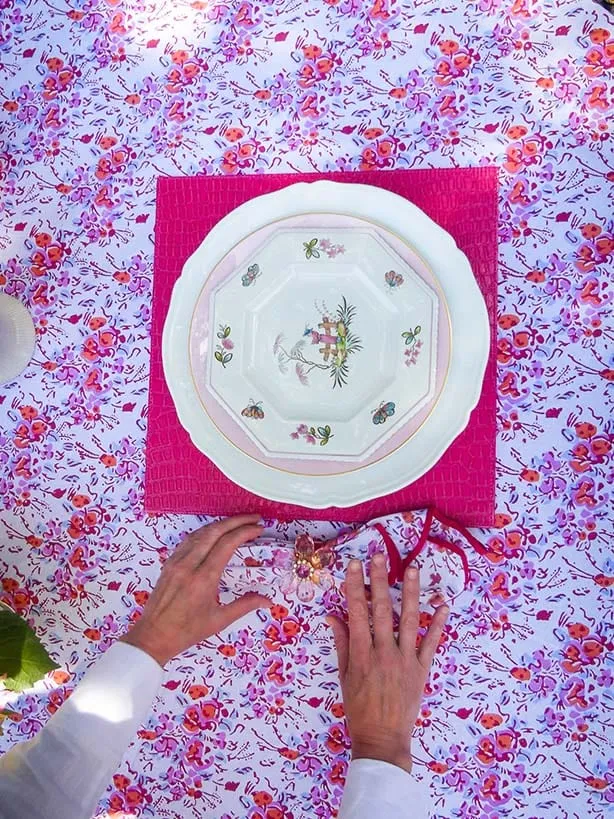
<point>97,98</point>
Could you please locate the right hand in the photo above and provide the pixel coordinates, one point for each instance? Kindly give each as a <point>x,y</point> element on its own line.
<point>382,678</point>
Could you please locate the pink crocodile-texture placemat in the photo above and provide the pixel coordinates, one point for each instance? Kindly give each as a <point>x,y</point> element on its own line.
<point>180,479</point>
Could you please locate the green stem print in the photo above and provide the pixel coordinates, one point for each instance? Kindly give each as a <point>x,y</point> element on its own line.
<point>224,345</point>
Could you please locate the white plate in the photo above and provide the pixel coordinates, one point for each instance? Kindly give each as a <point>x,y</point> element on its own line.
<point>287,376</point>
<point>17,338</point>
<point>196,345</point>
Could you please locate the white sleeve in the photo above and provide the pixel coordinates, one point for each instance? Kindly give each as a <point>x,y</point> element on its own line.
<point>375,788</point>
<point>64,770</point>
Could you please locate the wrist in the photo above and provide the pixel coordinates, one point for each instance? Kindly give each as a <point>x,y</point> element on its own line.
<point>150,645</point>
<point>384,752</point>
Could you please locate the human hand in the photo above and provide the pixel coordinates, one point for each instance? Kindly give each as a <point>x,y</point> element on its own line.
<point>183,608</point>
<point>382,678</point>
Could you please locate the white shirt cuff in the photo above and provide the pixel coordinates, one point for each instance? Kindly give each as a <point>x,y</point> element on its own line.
<point>376,788</point>
<point>64,770</point>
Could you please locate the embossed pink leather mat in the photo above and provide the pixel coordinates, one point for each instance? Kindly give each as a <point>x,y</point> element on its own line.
<point>178,478</point>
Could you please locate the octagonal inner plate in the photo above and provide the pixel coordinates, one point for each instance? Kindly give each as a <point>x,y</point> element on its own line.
<point>319,344</point>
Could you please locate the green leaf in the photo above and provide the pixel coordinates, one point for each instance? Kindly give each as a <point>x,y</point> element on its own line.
<point>417,330</point>
<point>219,357</point>
<point>312,430</point>
<point>324,441</point>
<point>226,331</point>
<point>23,659</point>
<point>310,249</point>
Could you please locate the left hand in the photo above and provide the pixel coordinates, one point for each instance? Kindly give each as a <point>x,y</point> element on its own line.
<point>183,608</point>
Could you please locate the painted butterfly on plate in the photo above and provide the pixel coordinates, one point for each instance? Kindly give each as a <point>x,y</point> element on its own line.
<point>393,279</point>
<point>253,271</point>
<point>383,412</point>
<point>253,410</point>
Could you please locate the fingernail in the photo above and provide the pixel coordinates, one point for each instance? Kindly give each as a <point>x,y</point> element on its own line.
<point>378,559</point>
<point>412,573</point>
<point>354,565</point>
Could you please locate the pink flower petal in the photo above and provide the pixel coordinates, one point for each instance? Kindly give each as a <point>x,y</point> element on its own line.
<point>305,591</point>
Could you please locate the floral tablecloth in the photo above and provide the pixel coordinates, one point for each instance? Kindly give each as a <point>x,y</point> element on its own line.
<point>98,98</point>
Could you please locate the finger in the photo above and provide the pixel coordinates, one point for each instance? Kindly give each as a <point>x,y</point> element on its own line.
<point>410,614</point>
<point>227,615</point>
<point>199,543</point>
<point>360,642</point>
<point>430,641</point>
<point>225,547</point>
<point>341,638</point>
<point>222,527</point>
<point>381,604</point>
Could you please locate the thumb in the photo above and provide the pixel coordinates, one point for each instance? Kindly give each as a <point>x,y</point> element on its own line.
<point>340,635</point>
<point>240,607</point>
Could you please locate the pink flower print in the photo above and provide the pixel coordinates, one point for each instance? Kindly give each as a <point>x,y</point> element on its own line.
<point>330,249</point>
<point>412,353</point>
<point>166,746</point>
<point>227,344</point>
<point>542,685</point>
<point>246,661</point>
<point>449,666</point>
<point>459,781</point>
<point>564,70</point>
<point>567,91</point>
<point>300,656</point>
<point>553,487</point>
<point>301,374</point>
<point>373,547</point>
<point>309,765</point>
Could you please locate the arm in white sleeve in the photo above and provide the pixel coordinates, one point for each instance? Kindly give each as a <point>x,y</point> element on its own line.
<point>63,771</point>
<point>375,788</point>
